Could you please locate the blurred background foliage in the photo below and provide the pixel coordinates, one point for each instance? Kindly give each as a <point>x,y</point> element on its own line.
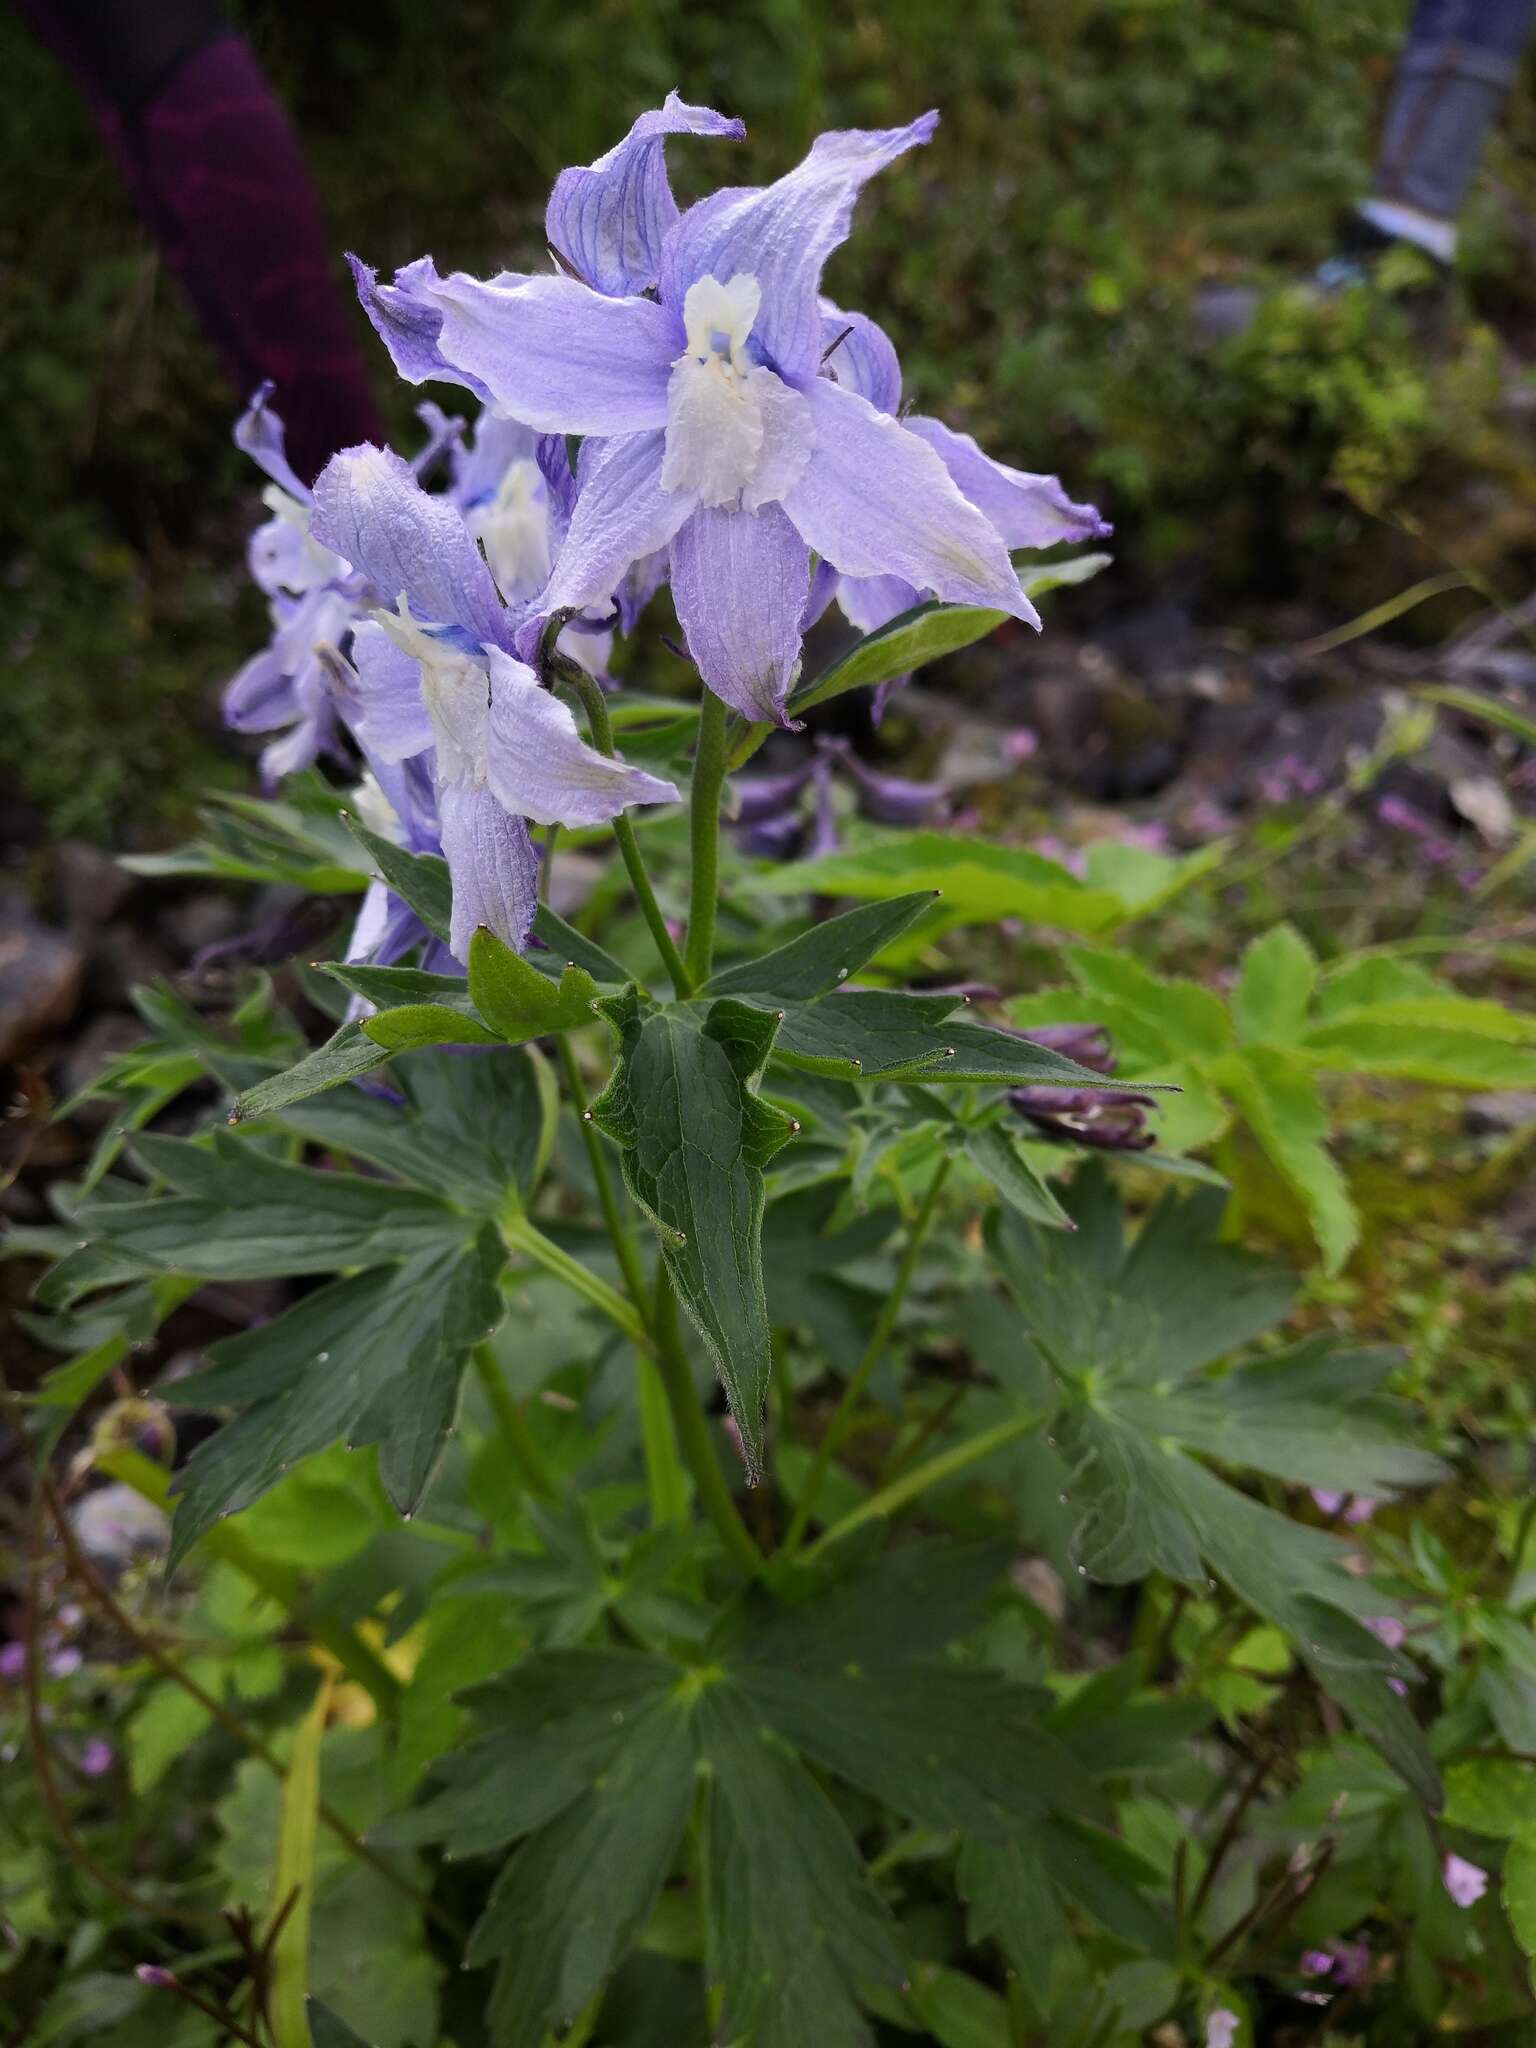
<point>1099,161</point>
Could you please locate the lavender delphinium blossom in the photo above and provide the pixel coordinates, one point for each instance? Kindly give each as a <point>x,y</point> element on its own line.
<point>438,674</point>
<point>688,350</point>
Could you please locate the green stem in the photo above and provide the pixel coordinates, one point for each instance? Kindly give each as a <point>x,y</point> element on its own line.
<point>664,1474</point>
<point>596,708</point>
<point>512,1422</point>
<point>520,1235</point>
<point>709,765</point>
<point>890,1499</point>
<point>874,1351</point>
<point>693,1434</point>
<point>614,1220</point>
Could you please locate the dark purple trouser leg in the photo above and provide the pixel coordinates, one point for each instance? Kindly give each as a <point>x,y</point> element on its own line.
<point>1457,65</point>
<point>221,181</point>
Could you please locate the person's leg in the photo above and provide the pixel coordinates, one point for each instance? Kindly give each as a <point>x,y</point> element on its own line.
<point>220,179</point>
<point>1457,65</point>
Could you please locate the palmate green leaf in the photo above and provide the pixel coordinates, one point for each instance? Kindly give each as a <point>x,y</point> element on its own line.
<point>344,1057</point>
<point>1448,1042</point>
<point>254,1217</point>
<point>519,1002</point>
<point>822,958</point>
<point>694,1138</point>
<point>1112,1330</point>
<point>567,1905</point>
<point>794,1924</point>
<point>377,1358</point>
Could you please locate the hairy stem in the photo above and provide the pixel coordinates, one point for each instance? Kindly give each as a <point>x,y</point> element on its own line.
<point>874,1351</point>
<point>596,708</point>
<point>709,766</point>
<point>512,1422</point>
<point>693,1434</point>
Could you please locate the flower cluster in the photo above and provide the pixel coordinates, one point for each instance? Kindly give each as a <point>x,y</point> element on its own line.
<point>739,438</point>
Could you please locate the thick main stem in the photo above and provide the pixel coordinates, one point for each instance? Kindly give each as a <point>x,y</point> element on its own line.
<point>709,766</point>
<point>693,1434</point>
<point>874,1351</point>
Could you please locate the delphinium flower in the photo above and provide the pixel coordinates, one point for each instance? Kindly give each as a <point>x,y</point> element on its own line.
<point>692,352</point>
<point>436,675</point>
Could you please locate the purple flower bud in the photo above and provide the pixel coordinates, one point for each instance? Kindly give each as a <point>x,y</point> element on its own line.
<point>1020,745</point>
<point>1103,1118</point>
<point>1315,1962</point>
<point>66,1662</point>
<point>1466,1882</point>
<point>97,1757</point>
<point>13,1661</point>
<point>155,1977</point>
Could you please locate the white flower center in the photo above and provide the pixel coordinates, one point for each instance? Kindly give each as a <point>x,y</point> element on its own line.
<point>513,528</point>
<point>456,690</point>
<point>737,435</point>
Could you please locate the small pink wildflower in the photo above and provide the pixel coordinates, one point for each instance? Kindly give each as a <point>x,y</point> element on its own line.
<point>1466,1882</point>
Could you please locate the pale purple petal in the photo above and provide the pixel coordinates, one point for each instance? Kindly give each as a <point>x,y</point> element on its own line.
<point>609,219</point>
<point>370,509</point>
<point>622,515</point>
<point>539,765</point>
<point>857,354</point>
<point>739,581</point>
<point>782,234</point>
<point>1314,1962</point>
<point>480,464</point>
<point>638,586</point>
<point>1221,2029</point>
<point>390,719</point>
<point>494,868</point>
<point>410,325</point>
<point>824,582</point>
<point>1028,511</point>
<point>259,434</point>
<point>876,501</point>
<point>1386,1628</point>
<point>1466,1882</point>
<point>559,356</point>
<point>870,602</point>
<point>757,798</point>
